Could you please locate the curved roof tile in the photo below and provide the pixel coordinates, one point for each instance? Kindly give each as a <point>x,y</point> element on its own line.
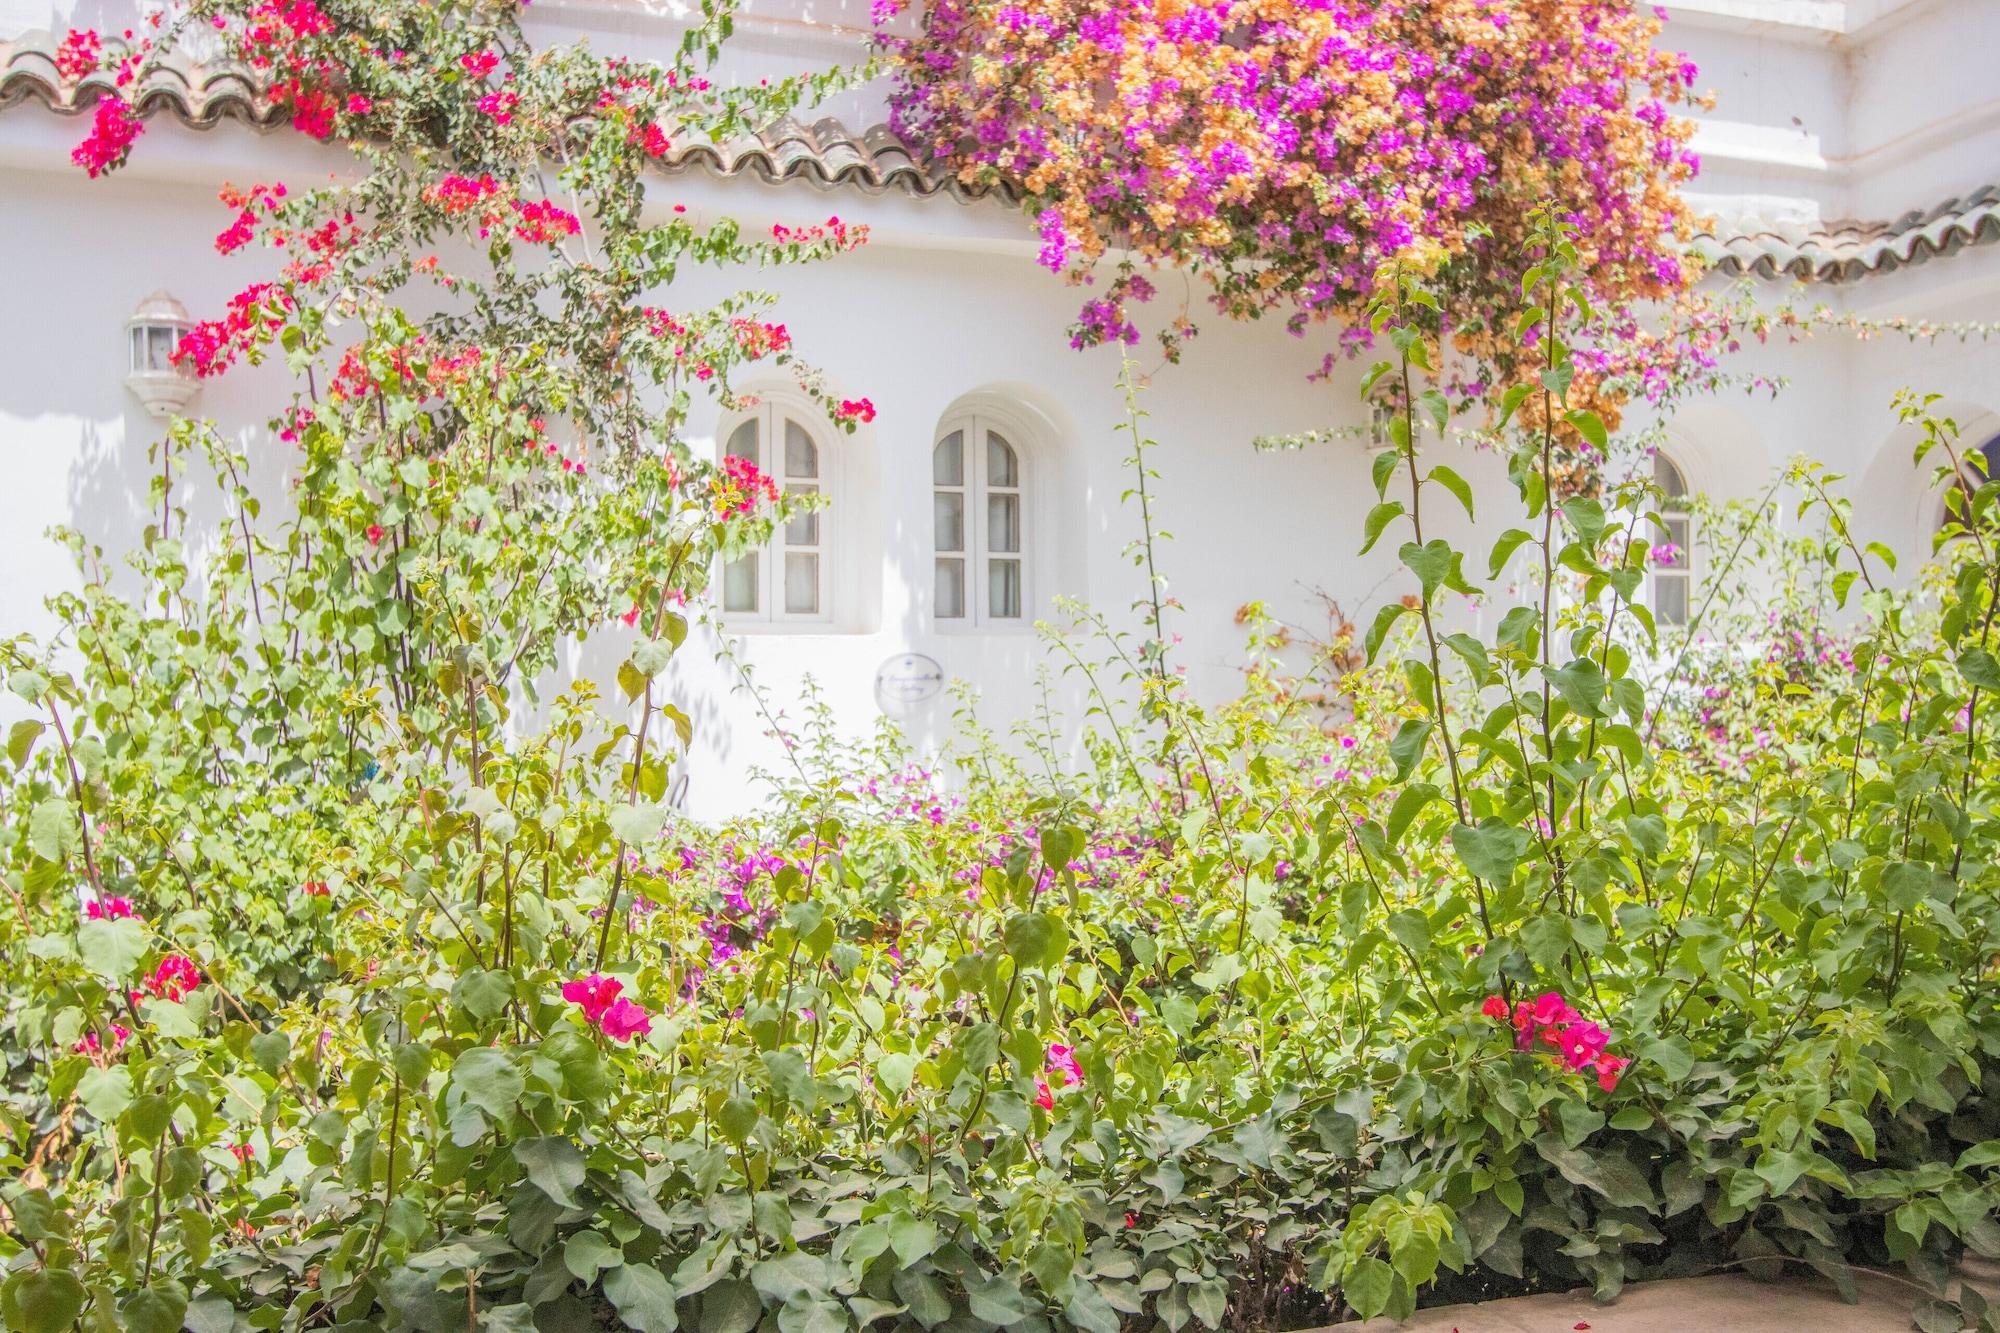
<point>828,155</point>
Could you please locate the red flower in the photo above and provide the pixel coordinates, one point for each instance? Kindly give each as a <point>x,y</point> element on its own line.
<point>625,1020</point>
<point>315,888</point>
<point>110,909</point>
<point>375,534</point>
<point>856,409</point>
<point>80,54</point>
<point>243,1152</point>
<point>543,222</point>
<point>479,63</point>
<point>1043,1097</point>
<point>174,977</point>
<point>1495,1007</point>
<point>357,105</point>
<point>112,131</point>
<point>617,1018</point>
<point>1608,1068</point>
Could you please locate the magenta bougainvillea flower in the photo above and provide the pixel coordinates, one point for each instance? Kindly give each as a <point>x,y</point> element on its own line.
<point>1548,1022</point>
<point>605,1009</point>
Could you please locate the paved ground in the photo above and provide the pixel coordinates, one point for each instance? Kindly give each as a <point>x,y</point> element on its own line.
<point>1727,1304</point>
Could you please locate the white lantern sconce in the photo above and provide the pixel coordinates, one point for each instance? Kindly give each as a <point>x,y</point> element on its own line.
<point>153,332</point>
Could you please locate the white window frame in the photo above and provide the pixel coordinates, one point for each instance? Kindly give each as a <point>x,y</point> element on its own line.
<point>1680,532</point>
<point>771,414</point>
<point>976,556</point>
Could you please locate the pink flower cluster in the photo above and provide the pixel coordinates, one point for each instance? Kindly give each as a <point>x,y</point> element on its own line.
<point>91,1044</point>
<point>1549,1021</point>
<point>543,222</point>
<point>109,909</point>
<point>604,1009</point>
<point>1063,1068</point>
<point>244,229</point>
<point>211,346</point>
<point>856,409</point>
<point>740,486</point>
<point>173,978</point>
<point>79,55</point>
<point>112,130</point>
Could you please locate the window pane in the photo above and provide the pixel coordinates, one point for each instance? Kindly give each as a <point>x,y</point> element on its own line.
<point>743,441</point>
<point>948,520</point>
<point>801,454</point>
<point>1003,523</point>
<point>1670,599</point>
<point>950,590</point>
<point>802,529</point>
<point>1001,467</point>
<point>948,460</point>
<point>163,348</point>
<point>1677,537</point>
<point>739,584</point>
<point>1004,589</point>
<point>1668,477</point>
<point>801,583</point>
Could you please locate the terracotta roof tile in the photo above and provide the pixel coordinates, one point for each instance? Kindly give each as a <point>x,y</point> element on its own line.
<point>828,155</point>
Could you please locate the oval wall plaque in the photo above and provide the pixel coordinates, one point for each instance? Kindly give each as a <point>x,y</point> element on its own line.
<point>907,680</point>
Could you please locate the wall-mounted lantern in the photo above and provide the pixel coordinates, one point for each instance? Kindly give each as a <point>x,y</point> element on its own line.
<point>154,330</point>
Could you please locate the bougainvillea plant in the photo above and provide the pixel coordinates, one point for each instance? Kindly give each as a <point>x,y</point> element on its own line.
<point>1285,152</point>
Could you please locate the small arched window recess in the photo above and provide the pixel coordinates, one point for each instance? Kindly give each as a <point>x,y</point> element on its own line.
<point>1672,560</point>
<point>788,580</point>
<point>1976,468</point>
<point>979,524</point>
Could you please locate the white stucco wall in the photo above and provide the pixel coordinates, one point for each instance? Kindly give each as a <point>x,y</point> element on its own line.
<point>945,301</point>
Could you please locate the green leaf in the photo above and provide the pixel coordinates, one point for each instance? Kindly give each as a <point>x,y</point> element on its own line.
<point>1386,617</point>
<point>553,1165</point>
<point>912,1238</point>
<point>636,824</point>
<point>112,949</point>
<point>484,992</point>
<point>731,1307</point>
<point>588,1253</point>
<point>52,828</point>
<point>1503,550</point>
<point>1411,800</point>
<point>1454,483</point>
<point>644,1298</point>
<point>1606,1171</point>
<point>999,1301</point>
<point>1582,686</point>
<point>41,1300</point>
<point>1034,939</point>
<point>1408,746</point>
<point>1383,468</point>
<point>1979,1154</point>
<point>1435,564</point>
<point>21,739</point>
<point>1490,851</point>
<point>1367,1286</point>
<point>1589,425</point>
<point>1379,518</point>
<point>650,658</point>
<point>160,1308</point>
<point>1980,668</point>
<point>490,1080</point>
<point>270,1050</point>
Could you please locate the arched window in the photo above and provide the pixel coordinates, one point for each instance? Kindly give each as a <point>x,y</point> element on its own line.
<point>979,510</point>
<point>1673,554</point>
<point>1974,472</point>
<point>789,578</point>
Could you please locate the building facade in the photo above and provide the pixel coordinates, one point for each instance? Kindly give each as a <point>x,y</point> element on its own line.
<point>1852,160</point>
